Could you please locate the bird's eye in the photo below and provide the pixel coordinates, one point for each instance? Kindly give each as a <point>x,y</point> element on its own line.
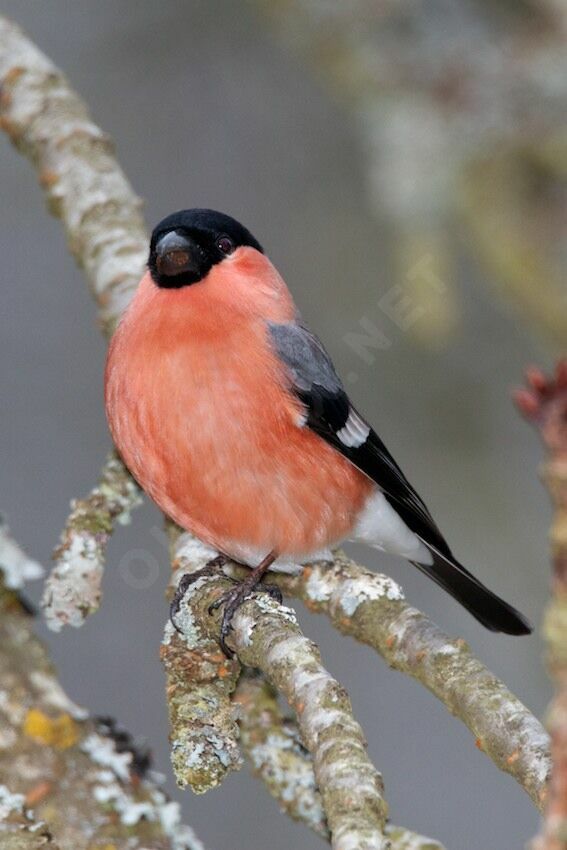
<point>225,245</point>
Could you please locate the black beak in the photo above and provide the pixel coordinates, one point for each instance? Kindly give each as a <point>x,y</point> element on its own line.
<point>176,254</point>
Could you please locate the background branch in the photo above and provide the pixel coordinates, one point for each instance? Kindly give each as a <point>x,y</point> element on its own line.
<point>483,138</point>
<point>16,566</point>
<point>544,403</point>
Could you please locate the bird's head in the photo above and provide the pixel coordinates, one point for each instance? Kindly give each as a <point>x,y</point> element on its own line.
<point>186,245</point>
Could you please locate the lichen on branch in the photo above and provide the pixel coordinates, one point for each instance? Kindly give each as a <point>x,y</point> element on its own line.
<point>544,404</point>
<point>76,166</point>
<point>199,681</point>
<point>266,636</point>
<point>371,608</point>
<point>73,588</point>
<point>66,778</point>
<point>272,745</point>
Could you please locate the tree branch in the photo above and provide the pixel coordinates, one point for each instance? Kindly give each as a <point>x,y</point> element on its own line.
<point>200,680</point>
<point>266,636</point>
<point>76,166</point>
<point>272,745</point>
<point>73,589</point>
<point>84,780</point>
<point>371,608</point>
<point>545,405</point>
<point>432,152</point>
<point>18,828</point>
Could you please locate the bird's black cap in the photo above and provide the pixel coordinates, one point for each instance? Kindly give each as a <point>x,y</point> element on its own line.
<point>187,244</point>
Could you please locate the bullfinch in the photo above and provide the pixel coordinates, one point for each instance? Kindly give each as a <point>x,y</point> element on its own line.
<point>228,411</point>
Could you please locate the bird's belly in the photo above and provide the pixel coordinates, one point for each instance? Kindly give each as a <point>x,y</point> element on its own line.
<point>231,465</point>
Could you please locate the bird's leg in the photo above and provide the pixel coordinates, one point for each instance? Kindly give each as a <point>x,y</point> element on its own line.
<point>233,599</point>
<point>211,568</point>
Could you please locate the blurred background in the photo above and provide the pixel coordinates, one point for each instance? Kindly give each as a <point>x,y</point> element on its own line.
<point>404,166</point>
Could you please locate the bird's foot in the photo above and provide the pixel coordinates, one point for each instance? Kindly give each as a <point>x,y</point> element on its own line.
<point>233,599</point>
<point>213,567</point>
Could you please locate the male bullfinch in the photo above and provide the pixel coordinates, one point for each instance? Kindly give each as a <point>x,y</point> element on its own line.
<point>228,411</point>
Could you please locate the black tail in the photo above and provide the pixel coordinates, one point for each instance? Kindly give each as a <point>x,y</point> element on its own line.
<point>488,608</point>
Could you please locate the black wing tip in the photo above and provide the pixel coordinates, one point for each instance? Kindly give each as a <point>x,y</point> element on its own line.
<point>507,621</point>
<point>494,613</point>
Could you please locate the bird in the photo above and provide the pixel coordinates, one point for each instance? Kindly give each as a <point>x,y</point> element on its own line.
<point>228,411</point>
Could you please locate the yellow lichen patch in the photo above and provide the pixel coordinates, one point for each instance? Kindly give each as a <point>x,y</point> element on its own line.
<point>60,732</point>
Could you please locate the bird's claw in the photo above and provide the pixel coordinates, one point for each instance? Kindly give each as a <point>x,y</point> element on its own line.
<point>233,599</point>
<point>211,568</point>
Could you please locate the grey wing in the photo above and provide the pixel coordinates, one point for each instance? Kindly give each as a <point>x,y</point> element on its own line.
<point>332,416</point>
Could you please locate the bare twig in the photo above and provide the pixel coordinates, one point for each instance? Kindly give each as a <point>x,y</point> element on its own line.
<point>545,404</point>
<point>73,591</point>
